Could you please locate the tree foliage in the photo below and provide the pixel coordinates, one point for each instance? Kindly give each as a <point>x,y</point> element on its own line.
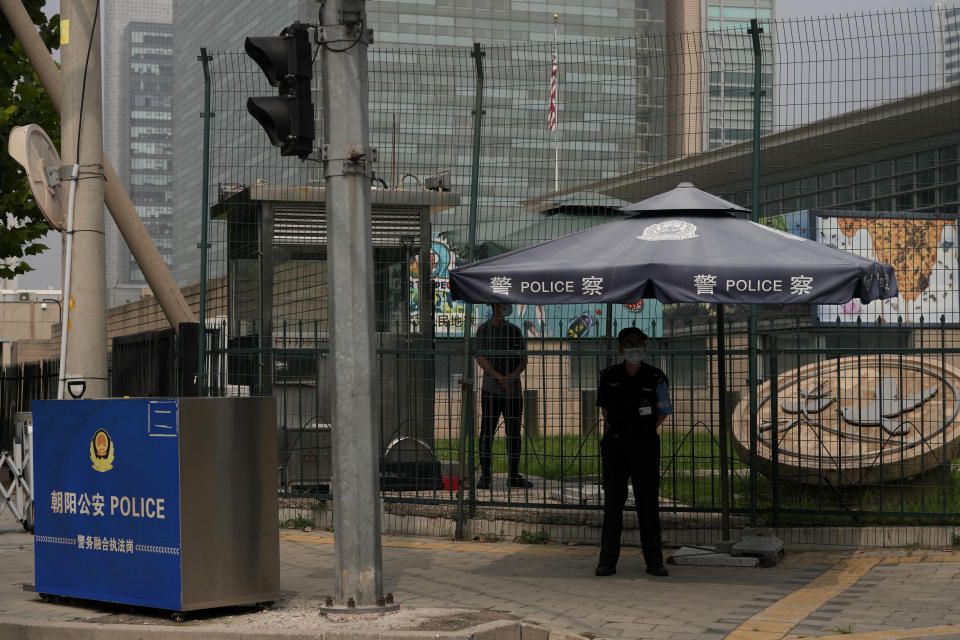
<point>23,100</point>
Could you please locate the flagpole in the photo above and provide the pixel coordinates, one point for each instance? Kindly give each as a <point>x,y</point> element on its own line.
<point>556,91</point>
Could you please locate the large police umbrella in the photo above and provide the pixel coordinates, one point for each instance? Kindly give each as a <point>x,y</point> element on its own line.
<point>684,245</point>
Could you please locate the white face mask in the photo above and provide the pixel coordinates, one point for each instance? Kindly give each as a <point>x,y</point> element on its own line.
<point>633,356</point>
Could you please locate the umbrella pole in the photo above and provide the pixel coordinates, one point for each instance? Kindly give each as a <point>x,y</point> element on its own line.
<point>724,426</point>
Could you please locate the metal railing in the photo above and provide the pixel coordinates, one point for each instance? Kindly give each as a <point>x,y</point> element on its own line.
<point>846,140</point>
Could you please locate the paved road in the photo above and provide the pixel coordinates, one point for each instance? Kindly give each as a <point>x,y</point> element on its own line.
<point>485,590</point>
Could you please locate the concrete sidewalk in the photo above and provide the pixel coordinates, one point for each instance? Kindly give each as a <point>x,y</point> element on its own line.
<point>507,591</point>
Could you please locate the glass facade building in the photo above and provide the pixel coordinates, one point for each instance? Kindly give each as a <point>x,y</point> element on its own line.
<point>911,180</point>
<point>516,36</point>
<point>217,25</point>
<point>950,32</point>
<point>150,102</point>
<point>731,77</point>
<point>137,109</point>
<point>710,99</point>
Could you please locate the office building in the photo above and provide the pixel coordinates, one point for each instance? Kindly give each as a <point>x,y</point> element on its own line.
<point>137,111</point>
<point>517,40</point>
<point>711,73</point>
<point>950,44</point>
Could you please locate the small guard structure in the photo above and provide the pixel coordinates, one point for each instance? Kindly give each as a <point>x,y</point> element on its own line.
<point>277,340</point>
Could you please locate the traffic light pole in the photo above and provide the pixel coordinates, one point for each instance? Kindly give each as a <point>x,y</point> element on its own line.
<point>85,373</point>
<point>347,164</point>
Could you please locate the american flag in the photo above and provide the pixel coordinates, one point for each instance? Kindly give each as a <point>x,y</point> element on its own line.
<point>552,109</point>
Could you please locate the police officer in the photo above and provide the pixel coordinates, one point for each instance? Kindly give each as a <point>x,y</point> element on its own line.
<point>635,400</point>
<point>504,360</point>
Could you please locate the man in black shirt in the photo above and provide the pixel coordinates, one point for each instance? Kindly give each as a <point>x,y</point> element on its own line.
<point>634,399</point>
<point>501,345</point>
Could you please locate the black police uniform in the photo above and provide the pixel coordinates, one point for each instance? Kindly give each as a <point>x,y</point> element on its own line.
<point>630,449</point>
<point>504,348</point>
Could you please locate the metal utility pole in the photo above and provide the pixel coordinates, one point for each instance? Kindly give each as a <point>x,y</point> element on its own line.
<point>347,165</point>
<point>131,227</point>
<point>752,381</point>
<point>81,132</point>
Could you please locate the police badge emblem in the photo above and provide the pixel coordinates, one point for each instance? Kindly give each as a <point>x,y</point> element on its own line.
<point>669,230</point>
<point>101,451</point>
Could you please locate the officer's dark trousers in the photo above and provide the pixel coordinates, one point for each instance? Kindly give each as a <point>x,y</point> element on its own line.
<point>638,459</point>
<point>492,406</point>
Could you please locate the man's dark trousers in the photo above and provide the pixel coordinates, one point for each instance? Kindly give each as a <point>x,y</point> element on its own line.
<point>637,458</point>
<point>492,405</point>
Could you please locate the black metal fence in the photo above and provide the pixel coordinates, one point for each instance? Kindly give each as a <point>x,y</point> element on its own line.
<point>160,363</point>
<point>20,385</point>
<point>854,428</point>
<point>842,417</point>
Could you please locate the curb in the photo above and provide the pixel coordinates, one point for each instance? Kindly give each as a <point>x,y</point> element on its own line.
<point>500,630</point>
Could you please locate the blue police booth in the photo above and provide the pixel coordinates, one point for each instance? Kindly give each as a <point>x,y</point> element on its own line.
<point>165,503</point>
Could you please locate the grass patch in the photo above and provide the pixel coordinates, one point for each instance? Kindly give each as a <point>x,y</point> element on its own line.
<point>570,456</point>
<point>487,537</point>
<point>690,475</point>
<point>297,523</point>
<point>538,537</point>
<point>553,457</point>
<point>917,501</point>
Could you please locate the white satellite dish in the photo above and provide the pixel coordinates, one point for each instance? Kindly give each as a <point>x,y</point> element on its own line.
<point>32,148</point>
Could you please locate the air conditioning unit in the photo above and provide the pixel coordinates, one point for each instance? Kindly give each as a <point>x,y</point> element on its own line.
<point>437,182</point>
<point>23,296</point>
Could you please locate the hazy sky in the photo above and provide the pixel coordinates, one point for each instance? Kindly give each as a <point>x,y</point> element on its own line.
<point>47,265</point>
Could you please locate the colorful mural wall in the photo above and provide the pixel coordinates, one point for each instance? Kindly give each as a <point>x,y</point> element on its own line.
<point>922,252</point>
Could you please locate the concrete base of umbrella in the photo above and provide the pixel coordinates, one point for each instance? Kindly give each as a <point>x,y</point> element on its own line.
<point>759,541</point>
<point>705,557</point>
<point>756,546</point>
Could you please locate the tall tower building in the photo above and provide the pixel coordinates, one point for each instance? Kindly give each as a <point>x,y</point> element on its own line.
<point>710,74</point>
<point>137,134</point>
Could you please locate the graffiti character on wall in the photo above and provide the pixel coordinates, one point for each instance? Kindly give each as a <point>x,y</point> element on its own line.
<point>447,313</point>
<point>533,329</point>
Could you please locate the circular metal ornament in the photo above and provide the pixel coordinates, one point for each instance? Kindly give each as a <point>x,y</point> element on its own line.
<point>855,420</point>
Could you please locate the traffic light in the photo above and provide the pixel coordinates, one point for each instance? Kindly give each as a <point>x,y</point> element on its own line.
<point>286,61</point>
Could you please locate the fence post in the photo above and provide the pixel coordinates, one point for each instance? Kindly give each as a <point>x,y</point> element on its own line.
<point>204,245</point>
<point>774,378</point>
<point>467,460</point>
<point>724,426</point>
<point>754,32</point>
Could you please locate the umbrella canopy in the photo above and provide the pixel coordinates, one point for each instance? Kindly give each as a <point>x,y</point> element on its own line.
<point>685,245</point>
<point>685,197</point>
